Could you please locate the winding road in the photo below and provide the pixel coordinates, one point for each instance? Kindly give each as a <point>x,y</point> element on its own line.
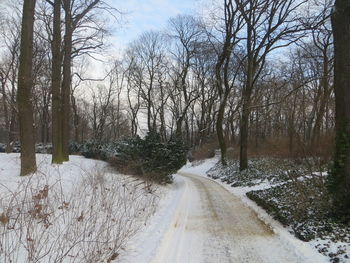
<point>211,224</point>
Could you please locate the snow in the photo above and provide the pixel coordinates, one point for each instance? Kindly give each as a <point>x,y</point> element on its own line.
<point>302,249</point>
<point>143,247</point>
<point>69,173</point>
<point>80,211</point>
<point>213,225</point>
<point>181,242</point>
<point>195,219</point>
<point>199,167</point>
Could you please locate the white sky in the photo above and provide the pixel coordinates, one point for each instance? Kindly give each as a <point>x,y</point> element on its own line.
<point>144,15</point>
<point>141,16</point>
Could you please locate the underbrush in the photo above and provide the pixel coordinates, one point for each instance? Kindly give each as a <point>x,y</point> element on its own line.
<point>265,170</point>
<point>149,158</point>
<point>204,151</point>
<point>301,205</point>
<point>304,206</point>
<point>41,221</point>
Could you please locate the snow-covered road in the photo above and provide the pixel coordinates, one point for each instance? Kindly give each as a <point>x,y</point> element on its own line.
<point>210,224</point>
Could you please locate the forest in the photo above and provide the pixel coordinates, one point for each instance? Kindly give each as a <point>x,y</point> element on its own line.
<point>250,77</point>
<point>240,80</point>
<point>257,73</point>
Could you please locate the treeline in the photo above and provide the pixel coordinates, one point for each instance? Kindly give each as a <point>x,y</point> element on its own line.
<point>247,74</point>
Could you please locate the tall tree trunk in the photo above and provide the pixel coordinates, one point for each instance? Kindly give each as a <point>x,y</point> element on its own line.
<point>244,124</point>
<point>291,124</point>
<point>67,77</point>
<point>178,131</point>
<point>341,172</point>
<point>57,153</point>
<point>243,157</point>
<point>220,132</point>
<point>24,96</point>
<point>316,134</point>
<point>5,110</point>
<point>222,72</point>
<point>13,134</point>
<point>326,92</point>
<point>76,119</point>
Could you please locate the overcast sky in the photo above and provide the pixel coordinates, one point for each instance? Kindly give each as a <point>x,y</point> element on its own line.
<point>143,15</point>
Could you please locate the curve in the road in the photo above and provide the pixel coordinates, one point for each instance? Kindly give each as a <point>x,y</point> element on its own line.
<point>212,225</point>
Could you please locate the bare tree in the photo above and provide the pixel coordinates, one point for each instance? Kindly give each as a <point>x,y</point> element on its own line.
<point>185,32</point>
<point>204,73</point>
<point>133,90</point>
<point>148,62</point>
<point>24,96</point>
<point>323,43</point>
<point>233,23</point>
<point>76,16</point>
<point>269,25</point>
<point>10,36</point>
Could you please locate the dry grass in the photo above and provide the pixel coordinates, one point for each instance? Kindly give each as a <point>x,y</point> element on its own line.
<point>204,151</point>
<point>278,147</point>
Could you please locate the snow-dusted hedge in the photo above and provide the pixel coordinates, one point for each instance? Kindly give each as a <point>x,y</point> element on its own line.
<point>15,147</point>
<point>150,158</point>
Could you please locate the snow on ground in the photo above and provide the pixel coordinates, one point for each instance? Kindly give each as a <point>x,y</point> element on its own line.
<point>269,176</point>
<point>80,211</point>
<point>285,237</point>
<point>199,167</point>
<point>199,221</point>
<point>304,248</point>
<point>212,225</point>
<point>192,222</point>
<point>143,247</point>
<point>70,173</point>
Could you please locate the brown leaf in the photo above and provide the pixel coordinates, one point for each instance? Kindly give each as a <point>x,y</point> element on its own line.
<point>81,217</point>
<point>4,219</point>
<point>42,194</point>
<point>113,257</point>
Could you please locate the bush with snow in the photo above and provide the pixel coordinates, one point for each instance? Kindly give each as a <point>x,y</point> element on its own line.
<point>150,158</point>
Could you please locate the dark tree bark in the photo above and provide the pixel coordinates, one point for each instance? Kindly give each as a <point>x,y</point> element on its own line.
<point>57,153</point>
<point>246,100</point>
<point>76,118</point>
<point>341,172</point>
<point>24,92</point>
<point>5,106</point>
<point>223,60</point>
<point>67,79</point>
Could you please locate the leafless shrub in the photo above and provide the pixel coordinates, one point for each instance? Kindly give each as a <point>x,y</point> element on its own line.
<point>204,151</point>
<point>43,222</point>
